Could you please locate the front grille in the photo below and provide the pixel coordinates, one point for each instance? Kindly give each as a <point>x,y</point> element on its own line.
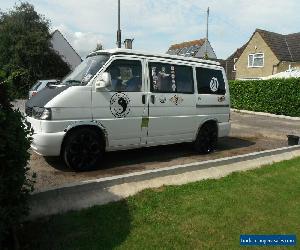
<point>28,111</point>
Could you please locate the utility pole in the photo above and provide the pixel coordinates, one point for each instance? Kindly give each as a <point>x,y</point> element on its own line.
<point>206,56</point>
<point>119,29</point>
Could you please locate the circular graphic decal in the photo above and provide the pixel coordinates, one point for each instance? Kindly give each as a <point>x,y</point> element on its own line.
<point>120,105</point>
<point>214,84</point>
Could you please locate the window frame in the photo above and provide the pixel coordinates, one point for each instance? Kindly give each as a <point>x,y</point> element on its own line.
<point>255,56</point>
<point>170,63</point>
<point>216,69</point>
<point>234,63</point>
<point>114,59</point>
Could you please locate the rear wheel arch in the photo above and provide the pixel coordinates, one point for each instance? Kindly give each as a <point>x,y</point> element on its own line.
<point>211,122</point>
<point>207,137</point>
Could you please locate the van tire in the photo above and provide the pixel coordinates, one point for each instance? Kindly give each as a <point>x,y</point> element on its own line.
<point>83,149</point>
<point>207,138</point>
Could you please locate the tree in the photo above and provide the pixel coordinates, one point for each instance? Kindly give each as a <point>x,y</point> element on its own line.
<point>26,53</point>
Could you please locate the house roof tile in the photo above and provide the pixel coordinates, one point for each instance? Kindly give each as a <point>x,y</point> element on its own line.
<point>199,42</point>
<point>238,52</point>
<point>293,41</point>
<point>189,48</point>
<point>285,47</point>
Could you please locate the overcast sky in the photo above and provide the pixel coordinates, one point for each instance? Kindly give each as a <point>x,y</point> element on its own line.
<point>156,24</point>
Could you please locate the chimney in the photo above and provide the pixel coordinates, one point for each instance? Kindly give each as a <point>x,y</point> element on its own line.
<point>128,43</point>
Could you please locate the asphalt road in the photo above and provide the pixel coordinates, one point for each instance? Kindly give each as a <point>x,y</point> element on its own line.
<point>264,126</point>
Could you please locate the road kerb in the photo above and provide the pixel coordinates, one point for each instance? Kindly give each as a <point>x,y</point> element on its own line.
<point>266,114</point>
<point>84,194</point>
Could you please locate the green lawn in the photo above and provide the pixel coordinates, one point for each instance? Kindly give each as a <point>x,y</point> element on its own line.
<point>208,214</point>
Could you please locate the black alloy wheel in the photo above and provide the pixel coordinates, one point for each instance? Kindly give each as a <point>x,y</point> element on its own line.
<point>83,149</point>
<point>207,138</point>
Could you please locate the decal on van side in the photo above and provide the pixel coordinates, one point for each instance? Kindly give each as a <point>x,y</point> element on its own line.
<point>162,99</point>
<point>221,98</point>
<point>214,84</point>
<point>145,122</point>
<point>176,99</point>
<point>120,105</point>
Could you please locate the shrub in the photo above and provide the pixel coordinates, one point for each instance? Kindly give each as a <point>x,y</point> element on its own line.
<point>19,82</point>
<point>26,51</point>
<point>277,96</point>
<point>15,181</point>
<point>2,75</point>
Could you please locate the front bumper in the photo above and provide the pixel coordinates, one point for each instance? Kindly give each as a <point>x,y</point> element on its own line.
<point>47,144</point>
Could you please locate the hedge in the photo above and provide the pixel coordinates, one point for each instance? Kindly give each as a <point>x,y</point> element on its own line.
<point>15,180</point>
<point>276,96</point>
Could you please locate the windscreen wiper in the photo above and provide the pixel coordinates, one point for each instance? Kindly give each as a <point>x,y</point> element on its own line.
<point>73,81</point>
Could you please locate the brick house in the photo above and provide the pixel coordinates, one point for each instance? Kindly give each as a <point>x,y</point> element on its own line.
<point>230,63</point>
<point>266,53</point>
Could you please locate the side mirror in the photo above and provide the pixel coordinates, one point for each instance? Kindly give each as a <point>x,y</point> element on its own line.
<point>103,81</point>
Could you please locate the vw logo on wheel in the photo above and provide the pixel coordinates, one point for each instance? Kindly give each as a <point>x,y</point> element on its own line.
<point>214,84</point>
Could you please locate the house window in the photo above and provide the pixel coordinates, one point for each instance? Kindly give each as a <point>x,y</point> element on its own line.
<point>256,60</point>
<point>234,62</point>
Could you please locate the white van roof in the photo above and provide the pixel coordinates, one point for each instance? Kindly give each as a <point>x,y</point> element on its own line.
<point>148,54</point>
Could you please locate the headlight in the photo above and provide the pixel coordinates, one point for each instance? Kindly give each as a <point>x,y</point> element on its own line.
<point>41,113</point>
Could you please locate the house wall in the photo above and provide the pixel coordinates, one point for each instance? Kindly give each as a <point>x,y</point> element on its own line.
<point>283,66</point>
<point>210,52</point>
<point>229,68</point>
<point>64,49</point>
<point>256,45</point>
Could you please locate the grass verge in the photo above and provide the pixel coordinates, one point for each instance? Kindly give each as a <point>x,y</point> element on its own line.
<point>209,214</point>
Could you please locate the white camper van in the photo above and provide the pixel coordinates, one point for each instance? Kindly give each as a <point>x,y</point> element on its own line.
<point>121,99</point>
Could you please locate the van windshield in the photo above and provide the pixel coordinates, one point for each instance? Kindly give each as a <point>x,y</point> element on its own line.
<point>85,70</point>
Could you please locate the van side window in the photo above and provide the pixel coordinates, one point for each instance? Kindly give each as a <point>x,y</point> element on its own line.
<point>167,78</point>
<point>210,81</point>
<point>126,75</point>
<point>184,79</point>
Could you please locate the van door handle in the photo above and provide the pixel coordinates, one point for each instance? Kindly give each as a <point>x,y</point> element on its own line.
<point>153,99</point>
<point>144,99</point>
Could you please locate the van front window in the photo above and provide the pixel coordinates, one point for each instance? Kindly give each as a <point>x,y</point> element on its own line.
<point>85,70</point>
